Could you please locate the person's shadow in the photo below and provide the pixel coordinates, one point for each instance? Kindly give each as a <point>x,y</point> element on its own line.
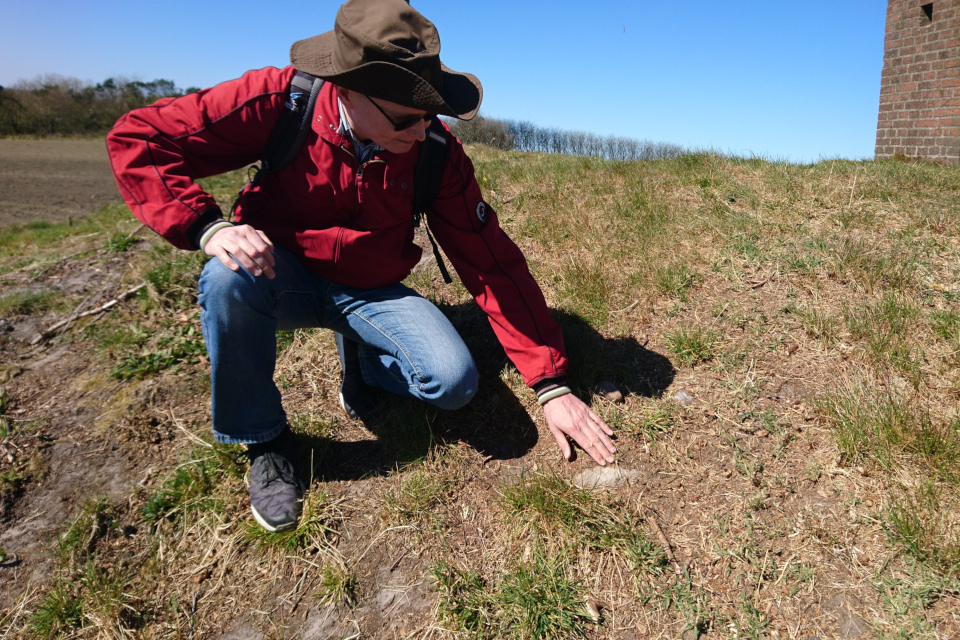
<point>494,423</point>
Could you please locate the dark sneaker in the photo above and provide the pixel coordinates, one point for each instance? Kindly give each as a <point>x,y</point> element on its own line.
<point>357,398</point>
<point>276,493</point>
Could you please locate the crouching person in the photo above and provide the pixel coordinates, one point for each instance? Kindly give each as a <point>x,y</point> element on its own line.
<point>326,240</point>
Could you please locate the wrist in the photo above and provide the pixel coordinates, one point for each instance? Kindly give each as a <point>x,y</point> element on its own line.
<point>210,231</point>
<point>552,393</point>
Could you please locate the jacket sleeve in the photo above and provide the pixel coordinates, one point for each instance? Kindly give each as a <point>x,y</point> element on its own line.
<point>495,272</point>
<point>157,152</point>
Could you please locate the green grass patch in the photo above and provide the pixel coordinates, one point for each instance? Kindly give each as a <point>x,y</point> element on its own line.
<point>924,521</point>
<point>533,600</point>
<point>550,504</point>
<point>890,431</point>
<point>88,595</point>
<point>172,275</point>
<point>97,600</point>
<point>98,517</point>
<point>946,325</point>
<point>184,346</point>
<point>673,280</point>
<point>872,268</point>
<point>819,324</point>
<point>27,238</point>
<point>191,490</point>
<point>692,345</point>
<point>906,597</point>
<point>586,288</point>
<point>120,241</point>
<point>658,421</point>
<point>337,585</point>
<point>414,495</point>
<point>29,303</point>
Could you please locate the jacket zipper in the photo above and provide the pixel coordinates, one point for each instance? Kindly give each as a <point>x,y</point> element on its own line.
<point>360,168</point>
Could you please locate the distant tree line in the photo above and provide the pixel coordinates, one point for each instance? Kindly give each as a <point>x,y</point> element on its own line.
<point>55,105</point>
<point>526,136</point>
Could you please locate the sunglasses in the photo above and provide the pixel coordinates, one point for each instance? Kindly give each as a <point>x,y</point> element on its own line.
<point>406,123</point>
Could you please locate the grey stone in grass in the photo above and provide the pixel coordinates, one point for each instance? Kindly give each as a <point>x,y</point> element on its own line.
<point>792,392</point>
<point>683,397</point>
<point>851,625</point>
<point>241,632</point>
<point>610,392</point>
<point>604,477</point>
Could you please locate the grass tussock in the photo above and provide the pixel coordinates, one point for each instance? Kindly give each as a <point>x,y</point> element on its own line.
<point>890,431</point>
<point>533,600</point>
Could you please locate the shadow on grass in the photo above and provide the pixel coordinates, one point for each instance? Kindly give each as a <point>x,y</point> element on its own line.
<point>495,423</point>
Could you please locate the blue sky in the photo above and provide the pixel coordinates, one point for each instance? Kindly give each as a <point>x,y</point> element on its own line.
<point>796,80</point>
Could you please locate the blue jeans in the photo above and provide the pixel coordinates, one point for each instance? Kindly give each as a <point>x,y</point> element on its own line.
<point>407,346</point>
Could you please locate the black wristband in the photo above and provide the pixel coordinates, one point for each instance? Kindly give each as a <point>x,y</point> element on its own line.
<point>203,222</point>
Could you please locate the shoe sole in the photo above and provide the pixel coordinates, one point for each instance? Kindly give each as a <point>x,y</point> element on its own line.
<point>269,527</point>
<point>343,405</point>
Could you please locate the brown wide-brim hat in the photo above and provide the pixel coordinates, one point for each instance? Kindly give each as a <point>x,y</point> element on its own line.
<point>387,50</point>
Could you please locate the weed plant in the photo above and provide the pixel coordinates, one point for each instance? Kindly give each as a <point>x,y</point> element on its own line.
<point>337,585</point>
<point>120,241</point>
<point>184,346</point>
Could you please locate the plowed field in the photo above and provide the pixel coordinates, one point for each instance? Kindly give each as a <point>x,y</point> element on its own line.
<point>53,179</point>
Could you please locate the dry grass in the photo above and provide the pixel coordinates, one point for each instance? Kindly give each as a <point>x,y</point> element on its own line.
<point>804,484</point>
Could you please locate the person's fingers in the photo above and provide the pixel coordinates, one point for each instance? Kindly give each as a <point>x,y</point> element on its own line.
<point>603,435</point>
<point>562,442</point>
<point>245,246</point>
<point>596,421</point>
<point>602,445</point>
<point>224,256</point>
<point>256,259</point>
<point>269,244</point>
<point>592,445</point>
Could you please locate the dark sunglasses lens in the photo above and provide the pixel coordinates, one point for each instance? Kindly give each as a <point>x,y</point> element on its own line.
<point>409,122</point>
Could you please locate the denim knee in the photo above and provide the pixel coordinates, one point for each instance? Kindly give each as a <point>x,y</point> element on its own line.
<point>452,386</point>
<point>221,287</point>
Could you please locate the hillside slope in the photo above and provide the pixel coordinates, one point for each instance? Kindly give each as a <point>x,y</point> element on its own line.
<point>785,340</point>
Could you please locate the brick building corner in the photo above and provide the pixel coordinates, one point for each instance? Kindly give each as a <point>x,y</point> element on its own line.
<point>920,86</point>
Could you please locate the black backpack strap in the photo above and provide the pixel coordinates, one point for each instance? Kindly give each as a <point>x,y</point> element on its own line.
<point>428,175</point>
<point>290,131</point>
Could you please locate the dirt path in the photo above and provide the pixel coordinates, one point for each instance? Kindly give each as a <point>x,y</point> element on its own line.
<point>53,179</point>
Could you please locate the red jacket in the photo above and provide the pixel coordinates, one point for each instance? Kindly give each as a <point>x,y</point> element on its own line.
<point>349,224</point>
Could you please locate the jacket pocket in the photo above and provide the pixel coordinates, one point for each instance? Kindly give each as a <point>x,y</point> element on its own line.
<point>386,198</point>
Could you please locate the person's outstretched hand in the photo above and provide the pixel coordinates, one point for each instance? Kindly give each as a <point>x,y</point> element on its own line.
<point>251,247</point>
<point>567,416</point>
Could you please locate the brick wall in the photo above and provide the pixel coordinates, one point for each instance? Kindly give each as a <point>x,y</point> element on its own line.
<point>920,86</point>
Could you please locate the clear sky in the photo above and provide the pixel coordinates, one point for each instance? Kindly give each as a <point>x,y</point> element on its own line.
<point>796,80</point>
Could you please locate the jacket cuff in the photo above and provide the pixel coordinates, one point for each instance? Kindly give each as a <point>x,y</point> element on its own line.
<point>550,388</point>
<point>202,224</point>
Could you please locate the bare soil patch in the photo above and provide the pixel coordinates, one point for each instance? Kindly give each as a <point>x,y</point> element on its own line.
<point>53,179</point>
